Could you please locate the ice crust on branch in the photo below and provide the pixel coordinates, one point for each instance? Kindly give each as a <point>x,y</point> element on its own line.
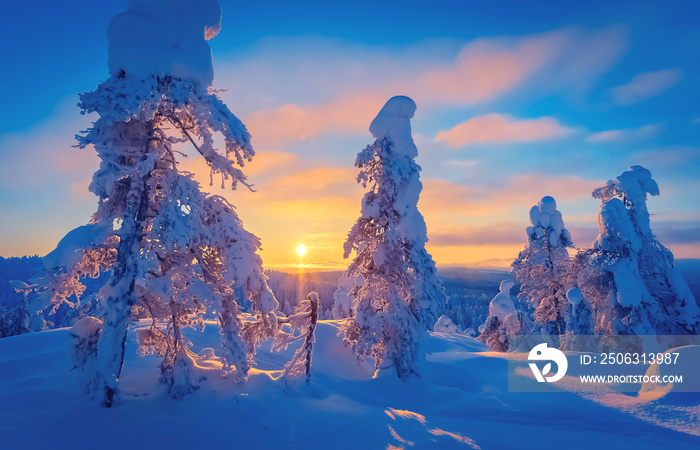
<point>165,37</point>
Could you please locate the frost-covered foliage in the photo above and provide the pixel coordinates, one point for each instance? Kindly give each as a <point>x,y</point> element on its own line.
<point>542,266</point>
<point>169,246</point>
<point>628,277</point>
<point>302,325</point>
<point>392,282</point>
<point>23,296</point>
<point>504,320</point>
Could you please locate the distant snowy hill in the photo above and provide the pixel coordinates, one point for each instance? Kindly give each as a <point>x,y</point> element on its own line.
<point>469,290</point>
<point>462,402</point>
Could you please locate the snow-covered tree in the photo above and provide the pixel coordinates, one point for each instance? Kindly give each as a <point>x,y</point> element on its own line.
<point>166,242</point>
<point>581,319</point>
<point>16,318</point>
<point>302,327</point>
<point>16,295</point>
<point>342,303</point>
<point>504,320</point>
<point>542,266</point>
<point>445,325</point>
<point>628,277</point>
<point>395,292</point>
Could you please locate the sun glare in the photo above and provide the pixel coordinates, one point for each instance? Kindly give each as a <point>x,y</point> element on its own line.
<point>301,250</point>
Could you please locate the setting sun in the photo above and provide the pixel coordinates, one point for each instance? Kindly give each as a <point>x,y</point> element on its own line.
<point>301,250</point>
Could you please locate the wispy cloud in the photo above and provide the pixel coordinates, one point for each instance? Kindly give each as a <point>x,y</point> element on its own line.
<point>446,203</point>
<point>291,122</point>
<point>480,235</point>
<point>646,85</point>
<point>311,86</point>
<point>497,128</point>
<point>464,164</point>
<point>628,135</point>
<point>670,157</point>
<point>676,232</point>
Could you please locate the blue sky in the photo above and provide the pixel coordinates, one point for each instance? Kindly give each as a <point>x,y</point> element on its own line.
<point>516,101</point>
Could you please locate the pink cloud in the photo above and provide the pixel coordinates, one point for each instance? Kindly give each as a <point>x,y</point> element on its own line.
<point>497,128</point>
<point>646,85</point>
<point>487,68</point>
<point>444,202</point>
<point>339,89</point>
<point>291,122</point>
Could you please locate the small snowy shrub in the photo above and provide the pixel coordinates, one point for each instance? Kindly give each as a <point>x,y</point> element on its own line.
<point>302,327</point>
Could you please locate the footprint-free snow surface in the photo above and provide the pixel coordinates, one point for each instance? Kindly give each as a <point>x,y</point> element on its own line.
<point>462,402</point>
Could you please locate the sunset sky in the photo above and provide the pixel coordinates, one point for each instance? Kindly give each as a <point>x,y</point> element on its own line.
<point>515,101</point>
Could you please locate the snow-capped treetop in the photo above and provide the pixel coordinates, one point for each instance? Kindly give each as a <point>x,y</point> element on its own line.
<point>165,37</point>
<point>502,304</point>
<point>636,182</point>
<point>394,122</point>
<point>545,216</point>
<point>633,185</point>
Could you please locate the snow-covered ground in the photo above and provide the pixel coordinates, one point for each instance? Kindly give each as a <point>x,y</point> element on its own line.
<point>461,402</point>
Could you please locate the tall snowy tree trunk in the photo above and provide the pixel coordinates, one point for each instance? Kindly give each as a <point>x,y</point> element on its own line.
<point>235,349</point>
<point>309,341</point>
<point>111,346</point>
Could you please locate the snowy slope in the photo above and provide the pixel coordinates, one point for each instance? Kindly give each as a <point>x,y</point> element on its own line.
<point>462,403</point>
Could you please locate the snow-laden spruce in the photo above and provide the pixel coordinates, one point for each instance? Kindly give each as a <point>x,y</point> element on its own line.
<point>542,266</point>
<point>392,282</point>
<point>504,320</point>
<point>628,277</point>
<point>170,247</point>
